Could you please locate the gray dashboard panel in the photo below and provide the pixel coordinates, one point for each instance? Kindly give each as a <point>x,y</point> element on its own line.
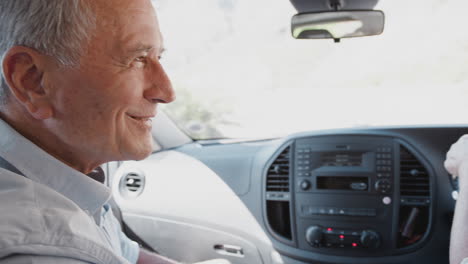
<point>228,197</point>
<point>430,142</point>
<point>233,162</point>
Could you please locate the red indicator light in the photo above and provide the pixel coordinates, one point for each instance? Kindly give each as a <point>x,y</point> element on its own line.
<point>341,237</point>
<point>329,229</point>
<point>354,244</point>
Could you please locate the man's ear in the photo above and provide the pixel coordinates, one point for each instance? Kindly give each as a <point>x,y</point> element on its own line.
<point>23,69</point>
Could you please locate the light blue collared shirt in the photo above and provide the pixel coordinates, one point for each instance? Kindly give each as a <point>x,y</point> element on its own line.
<point>87,194</point>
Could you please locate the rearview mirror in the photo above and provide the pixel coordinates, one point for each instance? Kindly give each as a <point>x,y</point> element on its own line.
<point>337,24</point>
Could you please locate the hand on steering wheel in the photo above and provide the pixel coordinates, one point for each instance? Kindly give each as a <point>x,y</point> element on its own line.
<point>457,157</point>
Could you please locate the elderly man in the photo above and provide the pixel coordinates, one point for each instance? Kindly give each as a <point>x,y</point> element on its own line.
<point>81,80</point>
<point>457,165</point>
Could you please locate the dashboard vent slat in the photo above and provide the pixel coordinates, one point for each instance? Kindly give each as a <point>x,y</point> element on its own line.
<point>278,173</point>
<point>414,178</point>
<point>278,207</point>
<point>415,200</point>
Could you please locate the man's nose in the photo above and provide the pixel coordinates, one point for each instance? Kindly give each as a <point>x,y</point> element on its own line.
<point>161,90</point>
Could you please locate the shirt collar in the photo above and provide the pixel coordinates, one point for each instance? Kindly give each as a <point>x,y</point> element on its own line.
<point>41,167</point>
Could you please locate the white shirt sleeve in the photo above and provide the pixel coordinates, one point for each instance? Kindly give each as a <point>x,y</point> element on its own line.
<point>27,259</point>
<point>465,261</point>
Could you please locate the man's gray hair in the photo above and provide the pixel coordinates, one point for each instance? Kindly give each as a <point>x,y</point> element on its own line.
<point>59,28</point>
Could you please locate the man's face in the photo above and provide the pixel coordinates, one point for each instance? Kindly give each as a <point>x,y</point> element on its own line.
<point>102,109</point>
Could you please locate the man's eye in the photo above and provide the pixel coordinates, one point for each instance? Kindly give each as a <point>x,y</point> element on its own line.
<point>140,61</point>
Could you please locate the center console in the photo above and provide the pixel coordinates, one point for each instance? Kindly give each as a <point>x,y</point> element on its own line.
<point>348,195</point>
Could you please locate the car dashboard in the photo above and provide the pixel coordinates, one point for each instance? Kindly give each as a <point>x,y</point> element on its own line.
<point>351,195</point>
<point>373,195</point>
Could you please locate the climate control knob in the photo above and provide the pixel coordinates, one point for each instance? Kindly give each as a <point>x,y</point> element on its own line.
<point>370,239</point>
<point>314,236</point>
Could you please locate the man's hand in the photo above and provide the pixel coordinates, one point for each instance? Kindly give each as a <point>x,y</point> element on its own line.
<point>457,157</point>
<point>457,165</point>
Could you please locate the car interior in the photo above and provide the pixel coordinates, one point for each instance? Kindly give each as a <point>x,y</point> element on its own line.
<point>336,188</point>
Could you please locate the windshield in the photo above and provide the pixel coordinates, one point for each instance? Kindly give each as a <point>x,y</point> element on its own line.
<point>238,72</point>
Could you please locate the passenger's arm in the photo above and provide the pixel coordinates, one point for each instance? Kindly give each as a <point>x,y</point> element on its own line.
<point>457,165</point>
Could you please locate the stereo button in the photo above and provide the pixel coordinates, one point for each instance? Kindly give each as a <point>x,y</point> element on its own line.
<point>359,186</point>
<point>383,186</point>
<point>313,210</point>
<point>305,185</point>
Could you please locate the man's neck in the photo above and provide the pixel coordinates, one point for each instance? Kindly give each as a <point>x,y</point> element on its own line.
<point>35,131</point>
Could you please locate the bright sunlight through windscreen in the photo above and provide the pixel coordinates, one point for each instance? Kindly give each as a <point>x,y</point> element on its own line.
<point>238,72</point>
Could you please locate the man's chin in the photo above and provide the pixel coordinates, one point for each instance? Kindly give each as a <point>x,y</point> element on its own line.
<point>139,153</point>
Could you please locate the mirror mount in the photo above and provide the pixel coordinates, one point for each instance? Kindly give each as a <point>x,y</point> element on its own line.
<point>313,6</point>
<point>336,4</point>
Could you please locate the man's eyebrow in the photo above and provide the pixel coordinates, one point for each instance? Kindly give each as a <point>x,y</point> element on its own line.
<point>144,48</point>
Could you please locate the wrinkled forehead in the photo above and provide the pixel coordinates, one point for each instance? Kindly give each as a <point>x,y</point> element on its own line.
<point>125,22</point>
<point>118,12</point>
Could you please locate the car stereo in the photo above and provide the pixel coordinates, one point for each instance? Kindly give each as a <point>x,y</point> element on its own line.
<point>349,195</point>
<point>344,194</point>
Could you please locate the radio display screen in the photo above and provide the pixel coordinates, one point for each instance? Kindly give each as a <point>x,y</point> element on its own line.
<point>341,159</point>
<point>350,183</point>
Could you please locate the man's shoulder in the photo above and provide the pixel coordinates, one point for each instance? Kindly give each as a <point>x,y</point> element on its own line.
<point>19,199</point>
<point>37,220</point>
<point>32,203</point>
<point>21,192</point>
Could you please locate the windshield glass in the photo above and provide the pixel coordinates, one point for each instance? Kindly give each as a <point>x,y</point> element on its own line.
<point>238,72</point>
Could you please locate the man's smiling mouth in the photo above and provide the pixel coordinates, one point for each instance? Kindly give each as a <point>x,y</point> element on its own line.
<point>142,120</point>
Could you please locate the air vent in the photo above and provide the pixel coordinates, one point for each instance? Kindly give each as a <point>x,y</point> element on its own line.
<point>415,200</point>
<point>132,183</point>
<point>278,173</point>
<point>278,206</point>
<point>414,177</point>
